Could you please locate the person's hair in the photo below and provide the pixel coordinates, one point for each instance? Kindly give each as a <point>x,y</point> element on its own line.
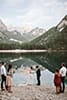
<point>31,67</point>
<point>63,64</point>
<point>57,70</point>
<point>9,67</point>
<point>2,63</point>
<point>37,66</point>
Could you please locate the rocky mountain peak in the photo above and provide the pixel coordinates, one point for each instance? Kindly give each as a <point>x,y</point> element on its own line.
<point>65,18</point>
<point>62,24</point>
<point>2,26</point>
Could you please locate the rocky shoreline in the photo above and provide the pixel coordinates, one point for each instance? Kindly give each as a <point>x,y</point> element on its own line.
<point>33,92</point>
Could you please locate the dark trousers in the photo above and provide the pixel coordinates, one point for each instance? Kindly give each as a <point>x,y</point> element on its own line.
<point>3,81</point>
<point>38,80</point>
<point>63,84</point>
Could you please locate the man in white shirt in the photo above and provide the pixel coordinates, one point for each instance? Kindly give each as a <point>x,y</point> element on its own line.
<point>63,71</point>
<point>3,76</point>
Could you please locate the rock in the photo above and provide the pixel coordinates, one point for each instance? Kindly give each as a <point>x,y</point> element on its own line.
<point>32,92</point>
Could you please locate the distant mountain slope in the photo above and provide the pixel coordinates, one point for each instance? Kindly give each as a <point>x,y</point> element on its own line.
<point>10,36</point>
<point>54,38</point>
<point>3,27</point>
<point>27,32</point>
<point>18,36</point>
<point>15,36</point>
<point>3,35</point>
<point>34,33</point>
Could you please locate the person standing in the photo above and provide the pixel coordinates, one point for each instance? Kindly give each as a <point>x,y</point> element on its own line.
<point>3,76</point>
<point>9,78</point>
<point>38,73</point>
<point>63,71</point>
<point>57,81</point>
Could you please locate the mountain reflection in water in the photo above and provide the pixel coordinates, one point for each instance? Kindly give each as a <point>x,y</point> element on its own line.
<point>51,60</point>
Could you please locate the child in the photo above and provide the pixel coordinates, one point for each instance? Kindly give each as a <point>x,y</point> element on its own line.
<point>57,81</point>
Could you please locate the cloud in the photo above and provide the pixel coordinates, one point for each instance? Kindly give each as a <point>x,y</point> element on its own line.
<point>7,21</point>
<point>34,12</point>
<point>66,8</point>
<point>16,3</point>
<point>30,16</point>
<point>12,2</point>
<point>35,17</point>
<point>65,5</point>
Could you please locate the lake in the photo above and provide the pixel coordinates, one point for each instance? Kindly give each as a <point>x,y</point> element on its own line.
<point>49,60</point>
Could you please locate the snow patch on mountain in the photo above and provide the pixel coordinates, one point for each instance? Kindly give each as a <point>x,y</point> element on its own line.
<point>11,39</point>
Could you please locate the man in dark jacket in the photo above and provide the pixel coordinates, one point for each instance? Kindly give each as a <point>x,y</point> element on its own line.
<point>38,73</point>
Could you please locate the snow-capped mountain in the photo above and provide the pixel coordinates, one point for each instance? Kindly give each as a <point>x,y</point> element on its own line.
<point>34,33</point>
<point>3,27</point>
<point>23,34</point>
<point>37,31</point>
<point>16,36</point>
<point>6,35</point>
<point>54,38</point>
<point>27,32</point>
<point>22,29</point>
<point>62,24</point>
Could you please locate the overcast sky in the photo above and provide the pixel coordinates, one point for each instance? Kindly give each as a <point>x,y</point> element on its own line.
<point>41,13</point>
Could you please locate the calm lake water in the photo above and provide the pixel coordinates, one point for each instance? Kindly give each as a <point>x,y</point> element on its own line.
<point>50,61</point>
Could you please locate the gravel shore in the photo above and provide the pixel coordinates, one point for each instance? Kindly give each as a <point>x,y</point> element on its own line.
<point>33,92</point>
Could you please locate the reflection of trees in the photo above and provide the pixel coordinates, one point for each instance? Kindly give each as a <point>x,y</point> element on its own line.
<point>50,60</point>
<point>6,57</point>
<point>9,46</point>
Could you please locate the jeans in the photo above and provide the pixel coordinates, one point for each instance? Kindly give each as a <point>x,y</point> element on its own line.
<point>38,79</point>
<point>3,81</point>
<point>63,84</point>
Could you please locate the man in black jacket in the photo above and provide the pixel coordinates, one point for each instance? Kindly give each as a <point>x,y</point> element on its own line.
<point>38,73</point>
